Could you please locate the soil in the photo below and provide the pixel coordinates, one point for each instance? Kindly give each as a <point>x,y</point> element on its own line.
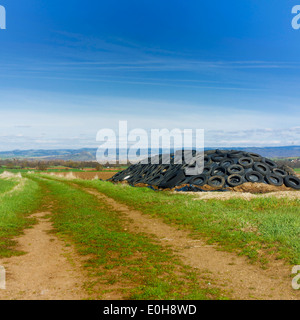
<point>84,175</point>
<point>242,195</point>
<point>49,270</point>
<point>245,187</point>
<point>240,279</point>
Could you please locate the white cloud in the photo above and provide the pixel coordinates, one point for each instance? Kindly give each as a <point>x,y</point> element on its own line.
<point>42,120</point>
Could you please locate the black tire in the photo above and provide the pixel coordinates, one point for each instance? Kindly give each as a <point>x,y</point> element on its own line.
<point>209,152</point>
<point>207,160</point>
<point>274,179</point>
<point>235,180</point>
<point>154,181</point>
<point>116,176</point>
<point>254,177</point>
<point>165,168</point>
<point>289,170</point>
<point>280,172</point>
<point>172,179</point>
<point>222,152</point>
<point>235,169</point>
<point>207,170</point>
<point>292,182</point>
<point>246,162</point>
<point>218,171</point>
<point>270,163</point>
<point>126,177</point>
<point>235,154</point>
<point>199,180</point>
<point>218,157</point>
<point>261,168</point>
<point>256,157</point>
<point>226,162</point>
<point>157,170</point>
<point>216,182</point>
<point>139,179</point>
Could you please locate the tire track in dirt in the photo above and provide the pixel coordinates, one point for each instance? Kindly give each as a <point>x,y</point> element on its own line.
<point>231,272</point>
<point>48,271</point>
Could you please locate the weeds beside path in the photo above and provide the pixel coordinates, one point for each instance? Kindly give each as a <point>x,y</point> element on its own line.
<point>121,263</point>
<point>231,272</point>
<point>242,280</point>
<point>92,242</point>
<point>48,269</point>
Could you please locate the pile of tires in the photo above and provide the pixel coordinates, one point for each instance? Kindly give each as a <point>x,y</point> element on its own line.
<point>222,169</point>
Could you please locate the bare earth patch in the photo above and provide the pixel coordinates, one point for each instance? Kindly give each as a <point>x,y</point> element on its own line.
<point>48,271</point>
<point>83,175</point>
<point>243,195</point>
<point>239,278</point>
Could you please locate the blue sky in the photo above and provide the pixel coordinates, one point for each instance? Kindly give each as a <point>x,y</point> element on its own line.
<point>71,68</point>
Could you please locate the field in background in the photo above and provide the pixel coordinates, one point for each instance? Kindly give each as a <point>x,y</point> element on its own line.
<point>19,197</point>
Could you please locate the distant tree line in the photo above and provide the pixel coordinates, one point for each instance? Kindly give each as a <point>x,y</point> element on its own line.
<point>293,163</point>
<point>46,164</point>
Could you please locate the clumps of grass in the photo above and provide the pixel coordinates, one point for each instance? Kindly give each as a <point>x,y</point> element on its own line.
<point>6,185</point>
<point>255,228</point>
<point>14,210</point>
<point>130,264</point>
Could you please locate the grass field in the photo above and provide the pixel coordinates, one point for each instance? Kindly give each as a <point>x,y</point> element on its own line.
<point>7,184</point>
<point>2,169</point>
<point>135,264</point>
<point>146,270</point>
<point>258,228</point>
<point>15,205</point>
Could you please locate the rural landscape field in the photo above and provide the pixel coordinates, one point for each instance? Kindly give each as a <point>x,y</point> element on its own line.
<point>149,157</point>
<point>78,237</point>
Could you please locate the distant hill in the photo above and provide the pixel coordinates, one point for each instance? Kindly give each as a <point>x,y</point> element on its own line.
<point>89,154</point>
<point>272,152</point>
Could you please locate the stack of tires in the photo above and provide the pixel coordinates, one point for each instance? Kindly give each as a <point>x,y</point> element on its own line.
<point>222,169</point>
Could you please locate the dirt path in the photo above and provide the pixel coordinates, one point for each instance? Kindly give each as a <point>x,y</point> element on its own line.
<point>239,278</point>
<point>48,271</point>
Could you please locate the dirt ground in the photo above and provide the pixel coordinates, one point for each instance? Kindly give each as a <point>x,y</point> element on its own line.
<point>84,175</point>
<point>243,195</point>
<point>234,273</point>
<point>48,271</point>
<point>248,191</point>
<point>245,191</point>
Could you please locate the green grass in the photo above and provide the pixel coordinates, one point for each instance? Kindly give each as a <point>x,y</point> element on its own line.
<point>259,229</point>
<point>52,169</point>
<point>134,264</point>
<point>297,170</point>
<point>14,209</point>
<point>7,184</point>
<point>13,170</point>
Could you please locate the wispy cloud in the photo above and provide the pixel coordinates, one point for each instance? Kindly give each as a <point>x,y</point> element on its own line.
<point>39,120</point>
